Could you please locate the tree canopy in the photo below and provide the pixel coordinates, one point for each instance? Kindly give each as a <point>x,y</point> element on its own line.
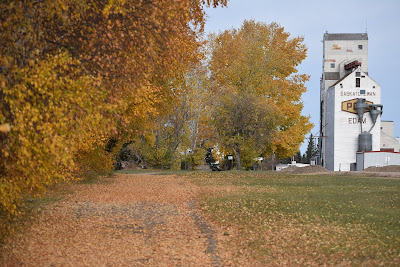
<point>75,74</point>
<point>244,124</point>
<point>261,60</point>
<point>81,79</point>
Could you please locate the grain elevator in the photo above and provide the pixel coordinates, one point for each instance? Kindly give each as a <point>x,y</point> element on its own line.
<point>350,102</point>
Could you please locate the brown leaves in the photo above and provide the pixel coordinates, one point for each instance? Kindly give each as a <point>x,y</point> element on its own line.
<point>130,219</point>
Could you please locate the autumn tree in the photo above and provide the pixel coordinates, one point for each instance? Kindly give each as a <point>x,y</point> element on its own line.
<point>261,60</point>
<point>244,124</point>
<point>180,129</point>
<point>170,133</point>
<point>74,74</point>
<point>200,99</point>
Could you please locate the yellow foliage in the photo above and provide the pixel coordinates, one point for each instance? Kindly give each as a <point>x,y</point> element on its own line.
<point>73,74</point>
<point>56,114</point>
<point>261,59</point>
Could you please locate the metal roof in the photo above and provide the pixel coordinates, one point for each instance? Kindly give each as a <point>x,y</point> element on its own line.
<point>345,36</point>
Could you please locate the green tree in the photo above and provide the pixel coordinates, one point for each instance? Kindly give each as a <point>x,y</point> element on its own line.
<point>298,158</point>
<point>310,152</point>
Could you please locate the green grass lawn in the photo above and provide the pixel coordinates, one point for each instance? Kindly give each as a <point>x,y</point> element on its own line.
<point>306,219</point>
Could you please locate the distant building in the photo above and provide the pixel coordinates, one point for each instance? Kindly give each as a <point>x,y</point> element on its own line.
<point>344,82</point>
<point>388,142</point>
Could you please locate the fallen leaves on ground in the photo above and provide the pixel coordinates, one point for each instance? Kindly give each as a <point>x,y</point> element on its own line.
<point>128,220</point>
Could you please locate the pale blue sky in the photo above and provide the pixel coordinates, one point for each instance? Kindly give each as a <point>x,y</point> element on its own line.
<point>311,19</point>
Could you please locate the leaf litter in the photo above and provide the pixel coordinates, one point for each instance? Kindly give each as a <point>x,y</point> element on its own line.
<point>146,220</point>
<point>130,220</point>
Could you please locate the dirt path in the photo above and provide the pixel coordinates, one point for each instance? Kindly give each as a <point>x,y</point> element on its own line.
<point>129,220</point>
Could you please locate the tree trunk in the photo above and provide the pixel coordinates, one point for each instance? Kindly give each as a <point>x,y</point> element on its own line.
<point>137,155</point>
<point>238,162</point>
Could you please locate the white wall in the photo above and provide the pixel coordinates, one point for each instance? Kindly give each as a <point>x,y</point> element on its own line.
<point>341,51</point>
<point>346,126</point>
<point>329,134</point>
<point>373,159</point>
<point>387,139</point>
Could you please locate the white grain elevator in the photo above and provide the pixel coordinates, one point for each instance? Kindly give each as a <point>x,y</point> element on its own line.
<point>348,98</point>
